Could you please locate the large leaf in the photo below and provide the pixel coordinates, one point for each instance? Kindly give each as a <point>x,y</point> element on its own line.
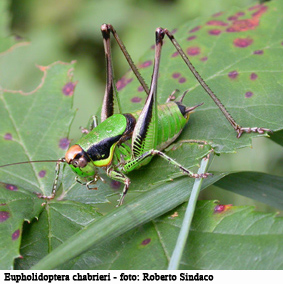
<point>30,131</point>
<point>259,186</point>
<point>17,206</point>
<point>239,55</point>
<point>35,125</point>
<point>222,237</point>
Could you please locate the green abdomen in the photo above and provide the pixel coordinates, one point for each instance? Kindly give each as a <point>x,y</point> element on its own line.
<point>170,125</point>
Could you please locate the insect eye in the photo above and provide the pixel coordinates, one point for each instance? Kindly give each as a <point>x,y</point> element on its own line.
<point>80,162</point>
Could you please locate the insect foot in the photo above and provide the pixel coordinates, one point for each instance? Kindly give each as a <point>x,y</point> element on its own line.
<point>240,130</point>
<point>204,175</point>
<point>42,196</point>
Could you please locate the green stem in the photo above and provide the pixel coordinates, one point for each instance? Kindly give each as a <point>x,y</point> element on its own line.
<point>184,232</point>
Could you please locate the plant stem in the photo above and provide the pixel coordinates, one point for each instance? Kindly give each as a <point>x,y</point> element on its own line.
<point>185,228</point>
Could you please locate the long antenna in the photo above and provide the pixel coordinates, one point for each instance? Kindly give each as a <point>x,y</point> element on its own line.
<point>39,161</point>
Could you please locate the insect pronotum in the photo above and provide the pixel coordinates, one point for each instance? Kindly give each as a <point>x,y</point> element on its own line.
<point>135,137</point>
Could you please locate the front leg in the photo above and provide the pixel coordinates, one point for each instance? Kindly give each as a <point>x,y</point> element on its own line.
<point>116,175</point>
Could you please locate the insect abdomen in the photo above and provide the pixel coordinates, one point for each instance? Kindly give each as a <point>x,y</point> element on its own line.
<point>170,124</point>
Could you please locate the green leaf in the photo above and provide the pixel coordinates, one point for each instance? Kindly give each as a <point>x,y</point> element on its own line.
<point>239,55</point>
<point>58,221</point>
<point>29,130</point>
<point>278,137</point>
<point>142,209</point>
<point>17,206</point>
<point>221,237</point>
<point>259,186</point>
<point>34,125</point>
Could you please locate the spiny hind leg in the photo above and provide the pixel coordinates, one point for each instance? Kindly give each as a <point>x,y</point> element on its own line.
<point>240,130</point>
<point>140,159</point>
<point>182,169</point>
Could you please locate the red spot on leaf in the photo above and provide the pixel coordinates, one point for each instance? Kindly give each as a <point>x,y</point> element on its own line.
<point>222,208</point>
<point>182,80</point>
<point>42,174</point>
<point>64,143</point>
<point>4,215</point>
<point>253,76</point>
<point>191,37</point>
<point>246,24</point>
<point>176,53</point>
<point>173,31</point>
<point>243,42</point>
<point>204,58</point>
<point>140,89</point>
<point>145,64</point>
<point>215,32</point>
<point>217,23</point>
<point>249,94</point>
<point>193,50</point>
<point>115,184</point>
<point>261,10</point>
<point>258,52</point>
<point>254,7</point>
<point>136,100</point>
<point>176,75</point>
<point>217,14</point>
<point>68,89</point>
<point>11,187</point>
<point>233,74</point>
<point>243,25</point>
<point>8,136</point>
<point>123,82</point>
<point>145,242</point>
<point>232,18</point>
<point>241,14</point>
<point>195,29</point>
<point>16,235</point>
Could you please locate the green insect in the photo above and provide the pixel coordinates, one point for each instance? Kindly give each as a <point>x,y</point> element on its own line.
<point>123,142</point>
